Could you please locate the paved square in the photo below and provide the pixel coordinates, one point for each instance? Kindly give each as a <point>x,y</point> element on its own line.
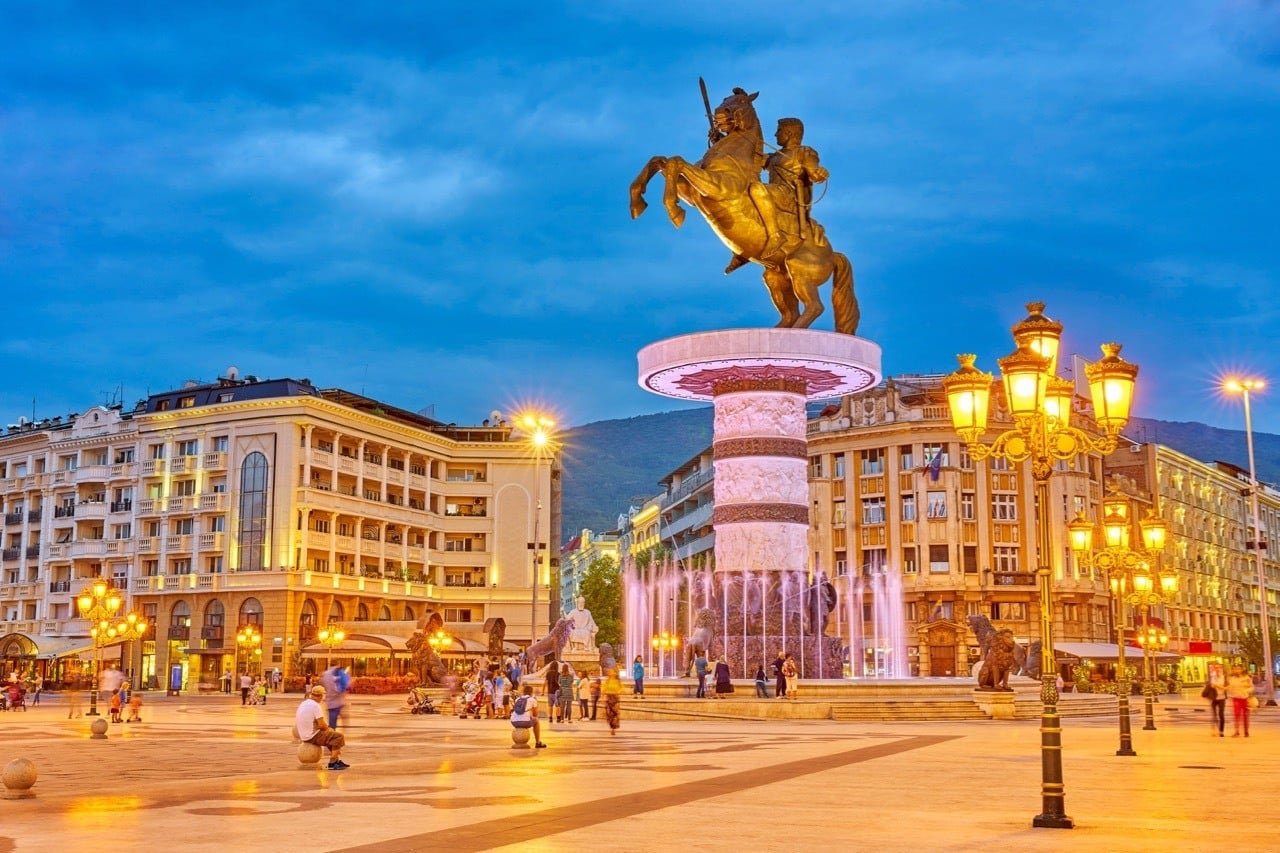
<point>206,774</point>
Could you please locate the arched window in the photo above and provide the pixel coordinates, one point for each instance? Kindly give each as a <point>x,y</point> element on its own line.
<point>310,616</point>
<point>336,613</point>
<point>251,612</point>
<point>384,615</point>
<point>408,614</point>
<point>214,614</point>
<point>362,612</point>
<point>253,512</point>
<point>180,617</point>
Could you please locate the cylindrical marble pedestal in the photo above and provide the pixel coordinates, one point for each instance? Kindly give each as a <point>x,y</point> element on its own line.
<point>759,381</point>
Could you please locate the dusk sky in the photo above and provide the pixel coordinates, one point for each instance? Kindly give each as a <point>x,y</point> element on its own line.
<point>428,202</point>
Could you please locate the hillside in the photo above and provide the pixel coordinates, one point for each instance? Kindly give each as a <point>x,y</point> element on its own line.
<point>610,465</point>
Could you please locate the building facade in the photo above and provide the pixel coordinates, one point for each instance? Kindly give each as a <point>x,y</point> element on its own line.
<point>892,487</point>
<point>684,512</point>
<point>273,504</point>
<point>576,555</point>
<point>1210,544</point>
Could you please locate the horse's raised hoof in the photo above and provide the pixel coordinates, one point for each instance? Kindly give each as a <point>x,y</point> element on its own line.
<point>638,206</point>
<point>677,216</point>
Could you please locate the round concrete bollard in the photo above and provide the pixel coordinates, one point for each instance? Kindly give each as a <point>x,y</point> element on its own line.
<point>520,738</point>
<point>99,729</point>
<point>19,775</point>
<point>309,755</point>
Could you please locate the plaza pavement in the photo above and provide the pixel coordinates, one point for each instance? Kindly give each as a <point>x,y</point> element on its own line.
<point>204,774</point>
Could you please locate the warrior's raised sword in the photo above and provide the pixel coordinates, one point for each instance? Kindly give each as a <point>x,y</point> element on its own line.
<point>706,105</point>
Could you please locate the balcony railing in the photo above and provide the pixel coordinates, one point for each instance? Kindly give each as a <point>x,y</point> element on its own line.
<point>13,518</point>
<point>33,550</point>
<point>213,502</point>
<point>66,511</point>
<point>121,506</point>
<point>1013,578</point>
<point>215,460</point>
<point>180,503</point>
<point>60,586</point>
<point>179,632</point>
<point>152,467</point>
<point>10,553</point>
<point>34,515</point>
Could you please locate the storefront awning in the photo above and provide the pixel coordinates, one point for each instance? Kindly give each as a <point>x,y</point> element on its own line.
<point>351,648</point>
<point>1106,651</point>
<point>50,648</point>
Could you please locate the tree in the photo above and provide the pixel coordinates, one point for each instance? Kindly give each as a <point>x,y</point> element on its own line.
<point>601,588</point>
<point>1249,641</point>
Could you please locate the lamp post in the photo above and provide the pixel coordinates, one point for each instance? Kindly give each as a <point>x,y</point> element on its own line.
<point>1133,583</point>
<point>331,635</point>
<point>1040,405</point>
<point>1244,387</point>
<point>663,643</point>
<point>1152,640</point>
<point>439,641</point>
<point>99,602</point>
<point>249,638</point>
<point>539,433</point>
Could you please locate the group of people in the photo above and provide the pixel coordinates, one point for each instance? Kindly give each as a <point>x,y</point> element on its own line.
<point>1240,689</point>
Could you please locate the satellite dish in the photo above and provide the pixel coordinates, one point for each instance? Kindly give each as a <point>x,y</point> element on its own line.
<point>495,417</point>
<point>233,372</point>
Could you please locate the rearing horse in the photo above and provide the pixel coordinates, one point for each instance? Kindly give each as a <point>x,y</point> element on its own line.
<point>717,187</point>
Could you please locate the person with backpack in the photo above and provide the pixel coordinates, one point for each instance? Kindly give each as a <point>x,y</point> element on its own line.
<point>524,714</point>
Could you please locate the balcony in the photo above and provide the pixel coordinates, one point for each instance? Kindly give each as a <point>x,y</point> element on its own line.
<point>60,586</point>
<point>57,550</point>
<point>181,542</point>
<point>180,503</point>
<point>153,467</point>
<point>322,458</point>
<point>151,506</point>
<point>67,511</point>
<point>211,541</point>
<point>211,632</point>
<point>93,473</point>
<point>33,516</point>
<point>317,539</point>
<point>119,546</point>
<point>347,464</point>
<point>215,502</point>
<point>215,461</point>
<point>13,518</point>
<point>123,471</point>
<point>181,464</point>
<point>88,548</point>
<point>33,550</point>
<point>148,544</point>
<point>10,554</point>
<point>466,512</point>
<point>1012,578</point>
<point>180,632</point>
<point>690,484</point>
<point>91,509</point>
<point>121,506</point>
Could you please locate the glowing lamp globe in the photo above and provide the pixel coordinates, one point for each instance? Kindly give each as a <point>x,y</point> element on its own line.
<point>1111,383</point>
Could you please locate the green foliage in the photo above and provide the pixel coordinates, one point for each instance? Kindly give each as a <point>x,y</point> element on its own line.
<point>601,587</point>
<point>1249,641</point>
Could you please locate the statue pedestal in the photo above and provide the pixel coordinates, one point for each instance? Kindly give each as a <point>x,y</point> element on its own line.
<point>583,662</point>
<point>996,704</point>
<point>759,381</point>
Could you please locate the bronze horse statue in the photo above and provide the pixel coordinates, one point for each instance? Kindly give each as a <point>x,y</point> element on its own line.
<point>718,186</point>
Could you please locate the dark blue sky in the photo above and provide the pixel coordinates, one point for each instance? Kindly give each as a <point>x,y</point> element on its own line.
<point>428,202</point>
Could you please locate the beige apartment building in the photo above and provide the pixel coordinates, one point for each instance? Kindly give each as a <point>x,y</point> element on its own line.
<point>1206,507</point>
<point>893,486</point>
<point>273,504</point>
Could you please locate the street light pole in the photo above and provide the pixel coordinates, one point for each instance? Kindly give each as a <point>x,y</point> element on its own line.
<point>1040,405</point>
<point>539,432</point>
<point>1243,387</point>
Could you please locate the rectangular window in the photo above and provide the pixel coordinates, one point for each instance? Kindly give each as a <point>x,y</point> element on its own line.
<point>320,525</point>
<point>815,467</point>
<point>319,564</point>
<point>457,614</point>
<point>153,528</point>
<point>874,559</point>
<point>218,524</point>
<point>909,561</point>
<point>213,565</point>
<point>998,463</point>
<point>186,402</point>
<point>933,450</point>
<point>219,444</point>
<point>188,447</point>
<point>936,504</point>
<point>939,559</point>
<point>873,510</point>
<point>970,557</point>
<point>150,568</point>
<point>1004,507</point>
<point>839,466</point>
<point>124,456</point>
<point>121,531</point>
<point>183,526</point>
<point>966,506</point>
<point>156,451</point>
<point>966,461</point>
<point>872,461</point>
<point>184,488</point>
<point>1009,610</point>
<point>181,566</point>
<point>1006,558</point>
<point>838,512</point>
<point>906,459</point>
<point>908,507</point>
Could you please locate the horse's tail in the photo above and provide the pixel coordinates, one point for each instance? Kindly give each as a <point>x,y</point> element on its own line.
<point>843,301</point>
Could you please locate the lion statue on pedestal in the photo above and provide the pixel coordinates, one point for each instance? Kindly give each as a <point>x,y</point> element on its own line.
<point>996,666</point>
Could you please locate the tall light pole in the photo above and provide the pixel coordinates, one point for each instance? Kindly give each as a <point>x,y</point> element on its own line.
<point>331,635</point>
<point>539,433</point>
<point>1244,387</point>
<point>1040,405</point>
<point>99,602</point>
<point>1136,579</point>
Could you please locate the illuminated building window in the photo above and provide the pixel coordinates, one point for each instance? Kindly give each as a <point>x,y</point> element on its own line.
<point>253,512</point>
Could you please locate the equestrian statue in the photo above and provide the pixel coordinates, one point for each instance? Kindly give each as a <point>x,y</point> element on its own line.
<point>764,223</point>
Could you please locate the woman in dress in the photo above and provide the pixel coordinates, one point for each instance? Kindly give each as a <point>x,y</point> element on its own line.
<point>723,685</point>
<point>612,690</point>
<point>792,676</point>
<point>1239,689</point>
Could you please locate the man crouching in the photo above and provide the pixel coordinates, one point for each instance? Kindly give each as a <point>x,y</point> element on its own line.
<point>313,728</point>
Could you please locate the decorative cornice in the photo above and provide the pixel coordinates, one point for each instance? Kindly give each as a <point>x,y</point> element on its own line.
<point>777,384</point>
<point>776,512</point>
<point>785,448</point>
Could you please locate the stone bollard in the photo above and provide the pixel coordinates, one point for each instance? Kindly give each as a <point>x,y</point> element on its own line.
<point>19,775</point>
<point>308,755</point>
<point>520,737</point>
<point>99,729</point>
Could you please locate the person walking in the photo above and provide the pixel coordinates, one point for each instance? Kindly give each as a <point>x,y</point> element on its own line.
<point>612,690</point>
<point>637,677</point>
<point>1240,691</point>
<point>226,681</point>
<point>74,706</point>
<point>564,705</point>
<point>780,686</point>
<point>792,676</point>
<point>311,727</point>
<point>500,697</point>
<point>762,691</point>
<point>1216,693</point>
<point>723,680</point>
<point>246,684</point>
<point>700,670</point>
<point>36,687</point>
<point>584,697</point>
<point>595,697</point>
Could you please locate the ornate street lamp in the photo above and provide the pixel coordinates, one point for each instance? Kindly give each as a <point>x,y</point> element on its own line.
<point>539,432</point>
<point>1136,579</point>
<point>331,635</point>
<point>439,641</point>
<point>1152,639</point>
<point>99,602</point>
<point>1040,405</point>
<point>662,643</point>
<point>249,638</point>
<point>1257,542</point>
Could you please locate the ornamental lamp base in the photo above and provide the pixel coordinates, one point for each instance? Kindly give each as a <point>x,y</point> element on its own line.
<point>1052,821</point>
